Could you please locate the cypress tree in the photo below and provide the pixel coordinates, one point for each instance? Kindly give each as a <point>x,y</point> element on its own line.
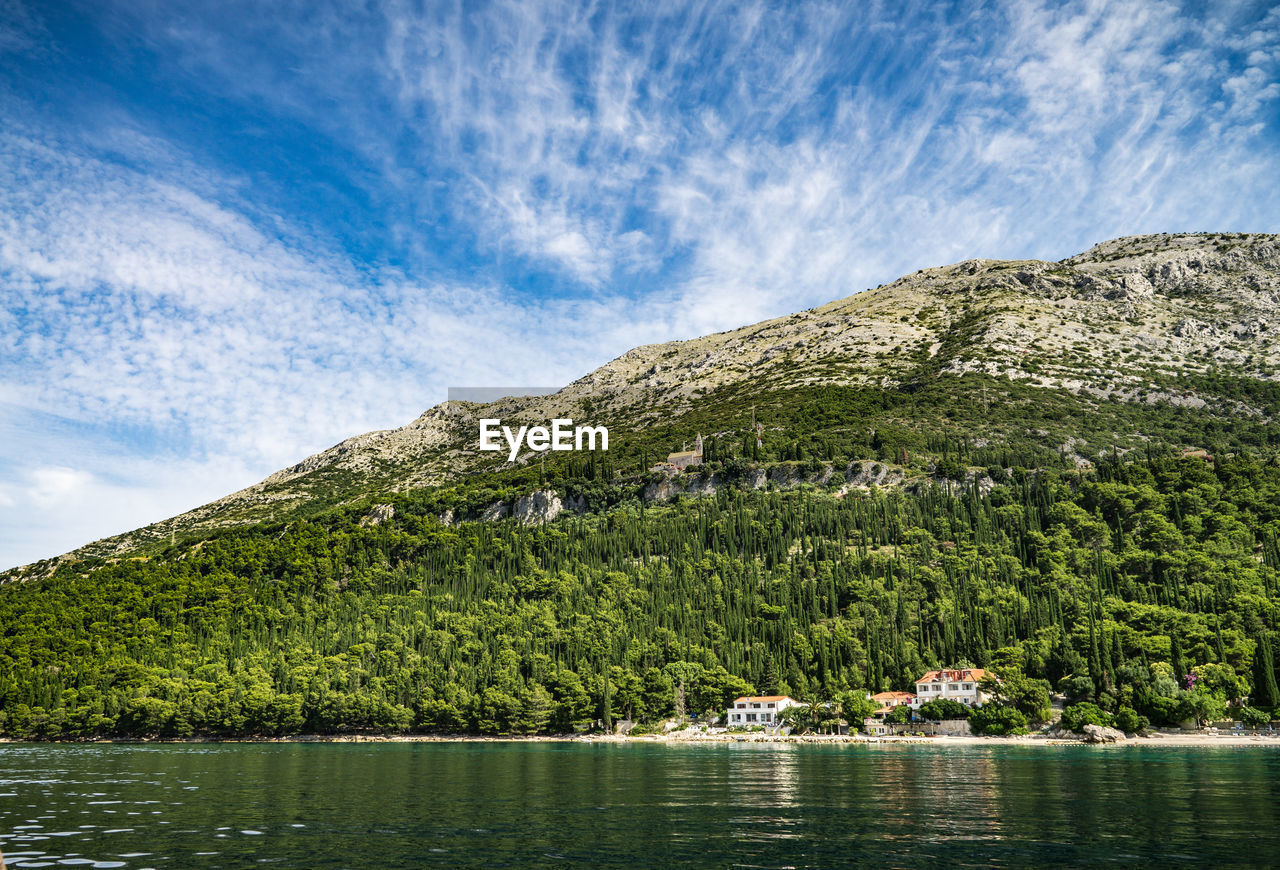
<point>1095,659</point>
<point>1266,693</point>
<point>1176,659</point>
<point>608,702</point>
<point>769,681</point>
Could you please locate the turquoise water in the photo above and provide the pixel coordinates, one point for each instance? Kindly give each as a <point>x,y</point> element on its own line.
<point>643,805</point>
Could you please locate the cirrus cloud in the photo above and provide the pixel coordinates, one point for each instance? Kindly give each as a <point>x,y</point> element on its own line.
<point>228,238</point>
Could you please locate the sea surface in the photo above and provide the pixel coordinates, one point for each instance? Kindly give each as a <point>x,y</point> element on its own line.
<point>389,805</point>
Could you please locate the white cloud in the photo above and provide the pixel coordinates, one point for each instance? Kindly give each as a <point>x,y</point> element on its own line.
<point>141,303</point>
<point>53,509</point>
<point>52,486</point>
<point>677,172</point>
<point>568,128</point>
<point>130,303</point>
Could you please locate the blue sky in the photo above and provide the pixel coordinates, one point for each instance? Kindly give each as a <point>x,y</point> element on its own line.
<point>234,234</point>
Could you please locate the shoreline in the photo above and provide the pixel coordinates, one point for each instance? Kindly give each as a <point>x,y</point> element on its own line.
<point>1160,738</point>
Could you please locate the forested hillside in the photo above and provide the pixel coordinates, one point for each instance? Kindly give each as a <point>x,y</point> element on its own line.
<point>1149,582</point>
<point>1066,471</point>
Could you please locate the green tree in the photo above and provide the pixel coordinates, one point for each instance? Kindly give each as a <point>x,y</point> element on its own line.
<point>319,621</point>
<point>855,707</point>
<point>1078,687</point>
<point>572,702</point>
<point>1129,721</point>
<point>1076,716</point>
<point>1028,696</point>
<point>997,719</point>
<point>1252,716</point>
<point>1176,659</point>
<point>1266,694</point>
<point>536,709</point>
<point>943,708</point>
<point>799,718</point>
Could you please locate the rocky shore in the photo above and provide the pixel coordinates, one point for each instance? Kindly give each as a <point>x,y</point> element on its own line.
<point>692,737</point>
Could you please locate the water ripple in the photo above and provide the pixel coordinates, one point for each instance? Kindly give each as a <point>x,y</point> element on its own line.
<point>513,805</point>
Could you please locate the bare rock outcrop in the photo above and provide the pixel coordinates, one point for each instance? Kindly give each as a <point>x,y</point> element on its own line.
<point>378,514</point>
<point>868,473</point>
<point>1102,734</point>
<point>538,507</point>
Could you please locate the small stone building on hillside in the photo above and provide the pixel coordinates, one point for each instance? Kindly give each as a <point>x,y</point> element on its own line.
<point>684,459</point>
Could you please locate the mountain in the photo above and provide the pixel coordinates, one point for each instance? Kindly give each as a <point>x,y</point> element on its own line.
<point>1167,338</point>
<point>1067,472</point>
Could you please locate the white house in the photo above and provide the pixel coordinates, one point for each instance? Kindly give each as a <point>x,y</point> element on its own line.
<point>758,710</point>
<point>957,684</point>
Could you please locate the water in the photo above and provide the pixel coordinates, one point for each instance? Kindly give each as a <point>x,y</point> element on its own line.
<point>641,805</point>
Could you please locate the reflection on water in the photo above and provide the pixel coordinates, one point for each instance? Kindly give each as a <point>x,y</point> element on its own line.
<point>509,804</point>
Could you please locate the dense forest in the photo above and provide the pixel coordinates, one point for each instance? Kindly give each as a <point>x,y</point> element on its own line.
<point>1146,587</point>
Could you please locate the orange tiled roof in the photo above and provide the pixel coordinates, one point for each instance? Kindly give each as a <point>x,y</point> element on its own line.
<point>954,675</point>
<point>757,698</point>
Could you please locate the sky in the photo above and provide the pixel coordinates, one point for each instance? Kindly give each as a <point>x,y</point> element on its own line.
<point>233,234</point>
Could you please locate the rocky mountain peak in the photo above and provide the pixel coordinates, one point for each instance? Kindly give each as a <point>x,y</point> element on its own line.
<point>1136,319</point>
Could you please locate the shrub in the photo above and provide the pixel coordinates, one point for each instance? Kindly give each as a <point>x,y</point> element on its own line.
<point>1252,716</point>
<point>1128,720</point>
<point>997,720</point>
<point>1164,711</point>
<point>1077,688</point>
<point>900,715</point>
<point>944,708</point>
<point>1075,717</point>
<point>1028,696</point>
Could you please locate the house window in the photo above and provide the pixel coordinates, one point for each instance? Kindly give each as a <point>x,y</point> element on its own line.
<point>755,706</point>
<point>751,717</point>
<point>742,706</point>
<point>771,706</point>
<point>968,687</point>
